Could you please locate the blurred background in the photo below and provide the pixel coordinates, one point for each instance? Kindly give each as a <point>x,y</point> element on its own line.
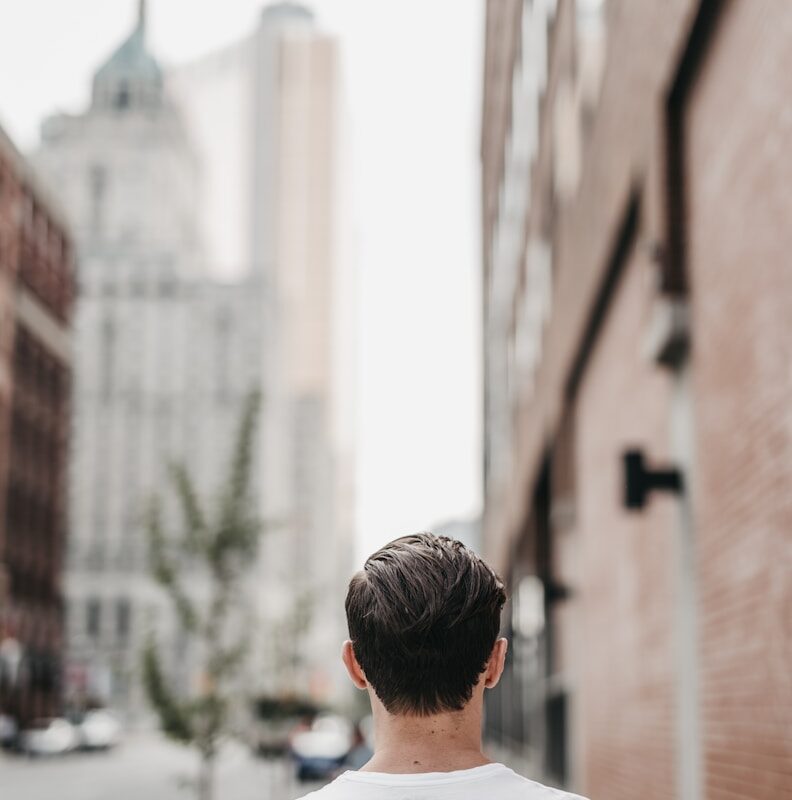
<point>510,270</point>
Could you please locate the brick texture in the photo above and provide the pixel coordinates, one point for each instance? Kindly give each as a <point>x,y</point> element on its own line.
<point>625,583</point>
<point>620,630</point>
<point>35,266</point>
<point>740,195</point>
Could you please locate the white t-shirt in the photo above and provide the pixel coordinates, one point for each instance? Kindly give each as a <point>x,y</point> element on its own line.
<point>488,782</point>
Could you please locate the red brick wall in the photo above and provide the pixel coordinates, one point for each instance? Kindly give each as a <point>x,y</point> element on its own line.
<point>643,43</point>
<point>740,243</point>
<point>10,197</point>
<point>35,518</point>
<point>45,259</point>
<point>619,637</point>
<point>35,255</point>
<point>624,596</point>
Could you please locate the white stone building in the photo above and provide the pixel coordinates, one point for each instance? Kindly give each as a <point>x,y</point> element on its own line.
<point>207,269</point>
<point>164,356</point>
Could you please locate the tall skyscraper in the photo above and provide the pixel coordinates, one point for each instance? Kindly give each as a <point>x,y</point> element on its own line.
<point>264,114</point>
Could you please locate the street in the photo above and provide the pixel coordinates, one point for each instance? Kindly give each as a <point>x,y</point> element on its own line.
<point>144,767</point>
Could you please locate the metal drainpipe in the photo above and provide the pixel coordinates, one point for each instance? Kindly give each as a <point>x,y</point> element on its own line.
<point>688,726</point>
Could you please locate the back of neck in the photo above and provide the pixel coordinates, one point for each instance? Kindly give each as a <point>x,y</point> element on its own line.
<point>439,743</point>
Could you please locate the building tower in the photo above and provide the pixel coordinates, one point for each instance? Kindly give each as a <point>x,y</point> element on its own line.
<point>265,117</point>
<point>174,329</point>
<point>164,356</point>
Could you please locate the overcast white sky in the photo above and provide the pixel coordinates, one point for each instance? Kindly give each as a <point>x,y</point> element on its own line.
<point>413,84</point>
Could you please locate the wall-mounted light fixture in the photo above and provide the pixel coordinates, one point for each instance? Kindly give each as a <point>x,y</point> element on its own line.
<point>639,480</point>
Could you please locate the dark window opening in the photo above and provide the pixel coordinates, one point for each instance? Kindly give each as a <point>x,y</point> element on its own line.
<point>556,746</point>
<point>93,618</point>
<point>123,619</point>
<point>106,366</point>
<point>97,181</point>
<point>122,97</point>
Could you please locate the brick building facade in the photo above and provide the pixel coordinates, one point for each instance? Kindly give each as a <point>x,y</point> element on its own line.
<point>36,291</point>
<point>638,437</point>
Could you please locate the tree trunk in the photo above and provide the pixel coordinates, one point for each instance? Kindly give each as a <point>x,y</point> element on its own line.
<point>206,777</point>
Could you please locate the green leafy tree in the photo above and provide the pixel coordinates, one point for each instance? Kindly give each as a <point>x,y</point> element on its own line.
<point>222,547</point>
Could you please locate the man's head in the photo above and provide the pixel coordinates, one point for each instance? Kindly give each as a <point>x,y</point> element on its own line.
<point>423,615</point>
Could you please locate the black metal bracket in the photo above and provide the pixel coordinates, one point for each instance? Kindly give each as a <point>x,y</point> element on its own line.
<point>639,480</point>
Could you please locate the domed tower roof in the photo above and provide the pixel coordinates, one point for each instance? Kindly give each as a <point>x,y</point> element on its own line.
<point>287,11</point>
<point>131,77</point>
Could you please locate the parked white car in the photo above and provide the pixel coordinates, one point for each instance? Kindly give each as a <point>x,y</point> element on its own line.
<point>49,736</point>
<point>99,730</point>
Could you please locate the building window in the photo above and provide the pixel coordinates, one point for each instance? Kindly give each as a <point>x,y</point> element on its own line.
<point>107,347</point>
<point>97,185</point>
<point>123,619</point>
<point>28,213</point>
<point>41,225</point>
<point>93,622</point>
<point>122,96</point>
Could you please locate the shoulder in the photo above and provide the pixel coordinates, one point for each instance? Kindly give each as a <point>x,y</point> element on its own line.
<point>332,791</point>
<point>538,791</point>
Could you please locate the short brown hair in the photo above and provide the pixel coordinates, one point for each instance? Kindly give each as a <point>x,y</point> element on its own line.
<point>424,615</point>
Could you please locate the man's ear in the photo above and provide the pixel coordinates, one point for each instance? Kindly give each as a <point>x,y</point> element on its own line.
<point>496,662</point>
<point>356,674</point>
